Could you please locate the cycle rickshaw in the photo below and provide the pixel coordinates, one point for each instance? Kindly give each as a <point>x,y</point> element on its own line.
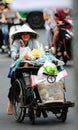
<point>24,100</point>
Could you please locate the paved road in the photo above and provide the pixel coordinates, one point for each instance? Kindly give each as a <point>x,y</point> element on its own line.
<point>8,123</point>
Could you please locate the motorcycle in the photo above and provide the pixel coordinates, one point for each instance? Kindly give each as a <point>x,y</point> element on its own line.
<point>64,45</point>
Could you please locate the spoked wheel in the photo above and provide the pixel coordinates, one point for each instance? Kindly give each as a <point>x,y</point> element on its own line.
<point>63,115</point>
<point>18,95</point>
<point>31,115</point>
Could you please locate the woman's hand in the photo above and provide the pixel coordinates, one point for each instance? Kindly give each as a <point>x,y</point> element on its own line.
<point>17,56</point>
<point>27,56</point>
<point>23,19</point>
<point>53,50</point>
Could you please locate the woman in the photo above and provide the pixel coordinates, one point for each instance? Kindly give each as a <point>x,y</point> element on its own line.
<point>25,37</point>
<point>50,24</point>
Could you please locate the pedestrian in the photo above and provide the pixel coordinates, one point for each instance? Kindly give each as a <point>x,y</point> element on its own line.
<point>50,25</point>
<point>2,7</point>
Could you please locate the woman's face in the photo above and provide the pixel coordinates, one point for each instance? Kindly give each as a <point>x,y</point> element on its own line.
<point>2,7</point>
<point>25,37</point>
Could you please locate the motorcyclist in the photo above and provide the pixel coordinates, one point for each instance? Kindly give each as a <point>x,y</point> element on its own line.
<point>8,18</point>
<point>60,17</point>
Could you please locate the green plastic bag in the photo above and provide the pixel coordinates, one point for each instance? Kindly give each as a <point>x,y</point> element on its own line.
<point>50,68</point>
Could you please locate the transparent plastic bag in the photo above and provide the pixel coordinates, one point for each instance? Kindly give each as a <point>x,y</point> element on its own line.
<point>23,50</point>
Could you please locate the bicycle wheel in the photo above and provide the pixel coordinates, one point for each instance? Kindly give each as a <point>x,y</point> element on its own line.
<point>18,97</point>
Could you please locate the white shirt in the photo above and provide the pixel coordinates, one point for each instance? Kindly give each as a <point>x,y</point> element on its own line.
<point>50,23</point>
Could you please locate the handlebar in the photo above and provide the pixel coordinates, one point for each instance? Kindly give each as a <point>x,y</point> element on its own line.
<point>15,21</point>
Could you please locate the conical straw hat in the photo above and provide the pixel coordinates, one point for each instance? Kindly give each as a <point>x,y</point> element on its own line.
<point>25,28</point>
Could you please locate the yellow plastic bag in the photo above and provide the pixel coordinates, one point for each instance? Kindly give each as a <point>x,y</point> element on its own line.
<point>37,53</point>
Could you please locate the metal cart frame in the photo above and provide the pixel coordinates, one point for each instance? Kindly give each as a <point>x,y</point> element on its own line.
<point>24,100</point>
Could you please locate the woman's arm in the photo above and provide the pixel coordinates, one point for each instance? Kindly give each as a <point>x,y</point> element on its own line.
<point>19,17</point>
<point>15,48</point>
